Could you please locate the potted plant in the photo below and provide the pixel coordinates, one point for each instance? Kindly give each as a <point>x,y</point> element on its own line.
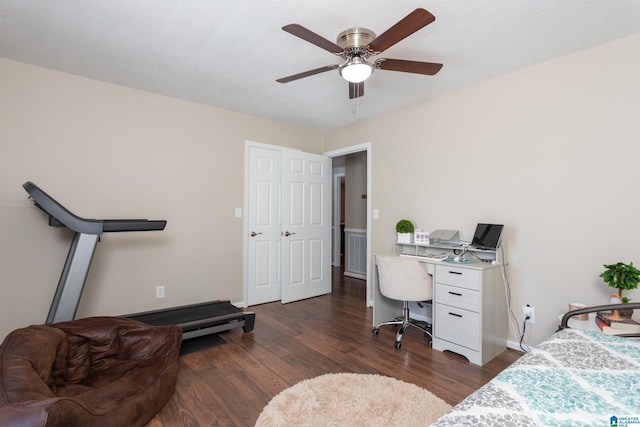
<point>621,276</point>
<point>405,229</point>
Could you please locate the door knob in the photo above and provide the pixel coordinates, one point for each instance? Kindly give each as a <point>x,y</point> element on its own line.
<point>254,234</point>
<point>287,234</point>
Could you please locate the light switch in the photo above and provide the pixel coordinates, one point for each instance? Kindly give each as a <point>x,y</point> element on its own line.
<point>238,212</point>
<point>376,214</point>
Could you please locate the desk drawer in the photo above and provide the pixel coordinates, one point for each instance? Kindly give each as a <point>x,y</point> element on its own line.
<point>458,326</point>
<point>458,276</point>
<point>454,296</point>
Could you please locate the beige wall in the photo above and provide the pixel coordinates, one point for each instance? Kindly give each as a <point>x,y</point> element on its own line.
<point>107,151</point>
<point>551,151</point>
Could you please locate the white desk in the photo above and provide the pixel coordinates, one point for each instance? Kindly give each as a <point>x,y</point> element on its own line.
<point>469,308</point>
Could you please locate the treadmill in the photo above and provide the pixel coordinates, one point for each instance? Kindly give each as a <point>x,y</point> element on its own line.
<point>195,319</point>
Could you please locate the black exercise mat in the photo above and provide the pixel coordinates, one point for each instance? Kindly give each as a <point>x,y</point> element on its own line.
<point>204,342</point>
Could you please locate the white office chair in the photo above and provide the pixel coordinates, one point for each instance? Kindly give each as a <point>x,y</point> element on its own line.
<point>403,279</point>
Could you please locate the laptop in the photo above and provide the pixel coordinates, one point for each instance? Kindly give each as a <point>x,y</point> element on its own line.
<point>487,236</point>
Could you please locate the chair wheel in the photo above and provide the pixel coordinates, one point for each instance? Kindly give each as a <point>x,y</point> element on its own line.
<point>397,344</point>
<point>375,331</point>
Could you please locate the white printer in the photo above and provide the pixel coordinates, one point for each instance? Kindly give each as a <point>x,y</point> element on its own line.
<point>445,237</point>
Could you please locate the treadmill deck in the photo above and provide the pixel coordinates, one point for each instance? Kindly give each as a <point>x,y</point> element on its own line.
<point>199,319</point>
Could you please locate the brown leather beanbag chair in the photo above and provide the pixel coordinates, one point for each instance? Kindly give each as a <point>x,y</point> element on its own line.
<point>99,371</point>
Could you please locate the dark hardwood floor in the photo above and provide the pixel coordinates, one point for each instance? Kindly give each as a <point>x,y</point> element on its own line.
<point>228,385</point>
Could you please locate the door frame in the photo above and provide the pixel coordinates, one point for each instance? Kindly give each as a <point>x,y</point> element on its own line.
<point>364,147</point>
<point>335,211</point>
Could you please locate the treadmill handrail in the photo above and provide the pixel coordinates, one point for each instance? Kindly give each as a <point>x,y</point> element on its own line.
<point>59,215</point>
<point>112,225</point>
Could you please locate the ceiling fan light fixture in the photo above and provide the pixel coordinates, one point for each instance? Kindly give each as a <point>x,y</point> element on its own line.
<point>356,70</point>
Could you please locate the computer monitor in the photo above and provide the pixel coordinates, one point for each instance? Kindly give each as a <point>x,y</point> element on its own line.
<point>487,236</point>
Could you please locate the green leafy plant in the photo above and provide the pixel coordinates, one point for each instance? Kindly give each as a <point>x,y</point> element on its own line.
<point>621,276</point>
<point>404,226</point>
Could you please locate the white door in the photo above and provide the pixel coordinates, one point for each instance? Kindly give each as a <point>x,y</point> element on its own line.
<point>264,225</point>
<point>306,225</point>
<point>292,188</point>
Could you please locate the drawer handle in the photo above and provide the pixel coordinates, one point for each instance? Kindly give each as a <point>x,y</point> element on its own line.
<point>455,314</point>
<point>455,272</point>
<point>455,293</point>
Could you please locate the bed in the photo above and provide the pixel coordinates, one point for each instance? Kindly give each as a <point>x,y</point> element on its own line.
<point>574,378</point>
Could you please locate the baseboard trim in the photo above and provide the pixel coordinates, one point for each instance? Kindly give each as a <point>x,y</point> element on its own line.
<point>355,275</point>
<point>513,345</point>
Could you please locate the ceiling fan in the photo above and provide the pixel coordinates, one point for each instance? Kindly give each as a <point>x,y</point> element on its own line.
<point>357,45</point>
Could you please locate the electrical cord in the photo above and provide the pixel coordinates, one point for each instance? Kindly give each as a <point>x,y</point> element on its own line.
<point>471,253</point>
<point>524,328</point>
<point>514,325</point>
<point>513,320</point>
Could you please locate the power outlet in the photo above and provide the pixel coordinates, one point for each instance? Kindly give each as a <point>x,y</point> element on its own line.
<point>530,312</point>
<point>159,292</point>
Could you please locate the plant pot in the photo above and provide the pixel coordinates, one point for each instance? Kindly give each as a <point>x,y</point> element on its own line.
<point>405,237</point>
<point>615,299</point>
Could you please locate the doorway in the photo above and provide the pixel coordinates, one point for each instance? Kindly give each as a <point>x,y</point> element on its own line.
<point>357,246</point>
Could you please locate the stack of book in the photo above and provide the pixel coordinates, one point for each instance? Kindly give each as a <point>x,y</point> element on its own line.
<point>616,325</point>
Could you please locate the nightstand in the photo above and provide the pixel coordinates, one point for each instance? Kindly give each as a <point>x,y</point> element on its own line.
<point>585,325</point>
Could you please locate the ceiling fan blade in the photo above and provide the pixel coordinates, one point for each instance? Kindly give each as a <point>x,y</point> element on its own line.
<point>307,73</point>
<point>313,38</point>
<point>405,27</point>
<point>356,90</point>
<point>417,67</point>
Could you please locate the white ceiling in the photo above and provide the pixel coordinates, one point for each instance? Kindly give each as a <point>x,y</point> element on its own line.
<point>229,53</point>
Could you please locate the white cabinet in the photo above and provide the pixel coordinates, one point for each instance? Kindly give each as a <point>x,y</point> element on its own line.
<point>470,315</point>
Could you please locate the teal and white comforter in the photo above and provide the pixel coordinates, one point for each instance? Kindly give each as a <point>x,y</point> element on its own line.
<point>575,378</point>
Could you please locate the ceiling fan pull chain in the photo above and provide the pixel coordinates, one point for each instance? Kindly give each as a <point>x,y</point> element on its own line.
<point>356,110</point>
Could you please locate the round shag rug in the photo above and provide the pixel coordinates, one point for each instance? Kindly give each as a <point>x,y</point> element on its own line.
<point>352,400</point>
